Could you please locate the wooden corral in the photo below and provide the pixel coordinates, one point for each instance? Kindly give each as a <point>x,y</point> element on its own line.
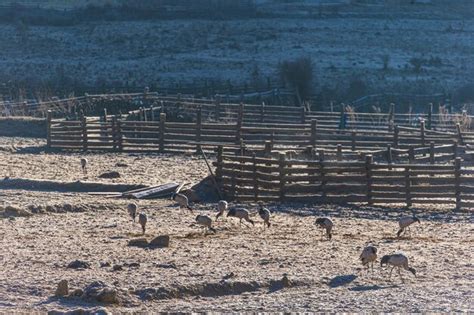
<point>245,178</point>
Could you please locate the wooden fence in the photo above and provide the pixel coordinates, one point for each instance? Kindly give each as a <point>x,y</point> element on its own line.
<point>164,136</point>
<point>257,114</point>
<point>180,108</point>
<point>246,178</point>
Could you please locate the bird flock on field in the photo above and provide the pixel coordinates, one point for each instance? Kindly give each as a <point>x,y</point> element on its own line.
<point>367,257</point>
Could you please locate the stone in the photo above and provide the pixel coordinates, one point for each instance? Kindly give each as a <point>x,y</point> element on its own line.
<point>62,289</point>
<point>160,241</point>
<point>11,211</point>
<point>138,242</point>
<point>79,264</point>
<point>101,292</point>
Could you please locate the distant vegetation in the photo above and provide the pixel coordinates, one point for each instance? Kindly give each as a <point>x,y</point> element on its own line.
<point>128,10</point>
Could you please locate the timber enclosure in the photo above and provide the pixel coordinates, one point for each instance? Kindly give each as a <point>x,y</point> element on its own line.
<point>265,153</point>
<point>245,178</point>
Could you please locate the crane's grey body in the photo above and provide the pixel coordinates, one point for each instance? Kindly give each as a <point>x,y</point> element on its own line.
<point>84,165</point>
<point>404,224</point>
<point>399,261</point>
<point>142,219</point>
<point>368,256</point>
<point>205,221</point>
<point>264,214</point>
<point>132,210</point>
<point>182,201</point>
<point>240,213</point>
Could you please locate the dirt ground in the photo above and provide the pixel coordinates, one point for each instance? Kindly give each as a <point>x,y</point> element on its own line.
<point>237,268</point>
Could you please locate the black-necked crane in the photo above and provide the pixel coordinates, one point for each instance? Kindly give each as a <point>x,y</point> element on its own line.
<point>84,165</point>
<point>240,213</point>
<point>368,256</point>
<point>142,219</point>
<point>132,210</point>
<point>182,201</point>
<point>222,206</point>
<point>205,221</point>
<point>325,223</point>
<point>264,213</point>
<point>399,261</point>
<point>405,222</point>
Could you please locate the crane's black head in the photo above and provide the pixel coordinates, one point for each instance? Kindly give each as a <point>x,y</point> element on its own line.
<point>415,219</point>
<point>413,271</point>
<point>231,213</point>
<point>384,260</point>
<point>373,249</point>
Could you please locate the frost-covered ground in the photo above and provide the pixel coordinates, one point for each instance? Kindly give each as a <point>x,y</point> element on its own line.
<point>165,52</point>
<point>234,270</point>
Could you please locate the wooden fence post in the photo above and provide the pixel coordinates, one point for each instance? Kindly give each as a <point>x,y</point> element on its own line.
<point>255,179</point>
<point>220,151</point>
<point>430,116</point>
<point>321,170</point>
<point>368,169</point>
<point>142,118</point>
<point>457,176</point>
<point>152,113</point>
<point>217,111</point>
<point>339,152</point>
<point>198,129</point>
<point>314,126</point>
<point>353,140</point>
<point>396,132</point>
<point>411,155</point>
<point>268,149</point>
<point>432,152</point>
<point>262,112</point>
<point>48,128</point>
<point>342,118</point>
<point>114,133</point>
<point>389,154</point>
<point>391,117</point>
<point>422,133</point>
<point>238,128</point>
<point>162,131</point>
<point>105,133</point>
<point>407,187</point>
<point>460,138</point>
<point>162,109</point>
<point>242,147</point>
<point>281,170</point>
<point>84,133</point>
<point>303,114</point>
<point>455,149</point>
<point>118,134</point>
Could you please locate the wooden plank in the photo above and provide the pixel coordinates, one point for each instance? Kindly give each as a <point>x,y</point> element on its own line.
<point>155,192</point>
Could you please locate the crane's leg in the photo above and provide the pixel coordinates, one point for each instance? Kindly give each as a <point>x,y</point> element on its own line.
<point>240,222</point>
<point>391,272</point>
<point>400,274</point>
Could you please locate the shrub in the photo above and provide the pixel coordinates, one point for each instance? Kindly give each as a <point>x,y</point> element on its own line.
<point>298,74</point>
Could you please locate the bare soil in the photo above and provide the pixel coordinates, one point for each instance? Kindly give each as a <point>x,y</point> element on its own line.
<point>239,268</point>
